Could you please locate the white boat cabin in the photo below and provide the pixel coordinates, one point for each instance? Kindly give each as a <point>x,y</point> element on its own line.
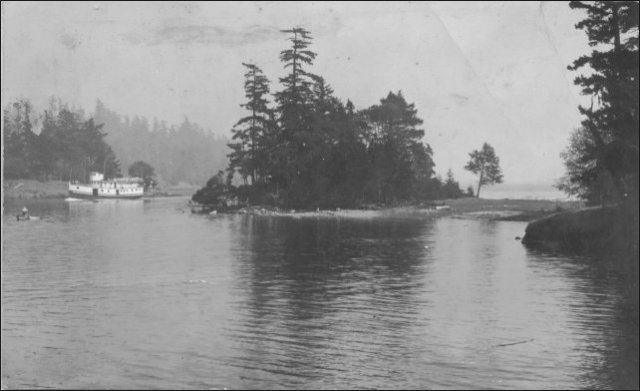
<point>112,188</point>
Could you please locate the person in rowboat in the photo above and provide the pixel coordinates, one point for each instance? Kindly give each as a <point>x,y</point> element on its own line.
<point>24,214</point>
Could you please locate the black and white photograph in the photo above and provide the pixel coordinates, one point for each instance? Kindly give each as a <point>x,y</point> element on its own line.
<point>320,195</point>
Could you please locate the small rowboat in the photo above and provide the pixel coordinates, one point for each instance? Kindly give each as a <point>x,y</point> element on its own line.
<point>26,218</point>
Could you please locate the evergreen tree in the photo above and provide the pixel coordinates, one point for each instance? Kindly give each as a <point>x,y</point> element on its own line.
<point>67,147</point>
<point>20,142</point>
<point>602,160</point>
<point>179,153</point>
<point>250,131</point>
<point>293,137</point>
<point>71,146</point>
<point>216,192</point>
<point>397,157</point>
<point>297,84</point>
<point>313,150</point>
<point>451,187</point>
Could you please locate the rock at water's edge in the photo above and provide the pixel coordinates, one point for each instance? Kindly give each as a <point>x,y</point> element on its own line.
<point>589,229</point>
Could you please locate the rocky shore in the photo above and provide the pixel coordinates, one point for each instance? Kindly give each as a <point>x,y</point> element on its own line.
<point>588,230</point>
<point>465,208</point>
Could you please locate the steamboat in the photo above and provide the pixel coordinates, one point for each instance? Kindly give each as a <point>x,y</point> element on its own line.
<point>98,187</point>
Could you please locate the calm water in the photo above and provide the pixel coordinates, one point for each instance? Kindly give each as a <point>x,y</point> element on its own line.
<point>142,294</point>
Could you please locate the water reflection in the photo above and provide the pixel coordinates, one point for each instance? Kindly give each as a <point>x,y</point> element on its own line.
<point>141,295</point>
<point>323,298</point>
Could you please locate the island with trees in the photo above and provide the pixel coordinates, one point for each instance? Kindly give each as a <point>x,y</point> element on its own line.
<point>304,148</point>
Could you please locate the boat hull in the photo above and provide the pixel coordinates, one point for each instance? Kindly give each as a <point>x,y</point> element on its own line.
<point>108,190</point>
<point>100,196</point>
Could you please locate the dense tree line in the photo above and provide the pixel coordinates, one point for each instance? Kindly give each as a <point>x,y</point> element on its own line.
<point>67,146</point>
<point>602,158</point>
<point>305,147</point>
<point>62,143</point>
<point>178,153</point>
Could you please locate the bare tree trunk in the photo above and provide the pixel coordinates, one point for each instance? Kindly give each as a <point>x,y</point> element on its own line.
<point>479,185</point>
<point>253,148</point>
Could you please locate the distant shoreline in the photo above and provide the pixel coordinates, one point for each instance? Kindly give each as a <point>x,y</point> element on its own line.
<point>468,208</point>
<point>30,189</point>
<point>15,189</point>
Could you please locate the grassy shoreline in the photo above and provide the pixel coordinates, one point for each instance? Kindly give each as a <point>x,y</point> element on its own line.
<point>466,208</point>
<point>30,188</point>
<point>509,209</point>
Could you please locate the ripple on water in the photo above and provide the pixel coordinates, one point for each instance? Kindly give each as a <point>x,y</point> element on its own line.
<point>142,295</point>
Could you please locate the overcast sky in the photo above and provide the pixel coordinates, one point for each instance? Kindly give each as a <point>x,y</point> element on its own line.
<point>486,71</point>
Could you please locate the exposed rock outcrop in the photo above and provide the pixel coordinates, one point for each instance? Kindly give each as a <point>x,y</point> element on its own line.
<point>585,230</point>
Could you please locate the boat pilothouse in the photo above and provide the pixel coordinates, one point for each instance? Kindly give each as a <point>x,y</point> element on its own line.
<point>98,187</point>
